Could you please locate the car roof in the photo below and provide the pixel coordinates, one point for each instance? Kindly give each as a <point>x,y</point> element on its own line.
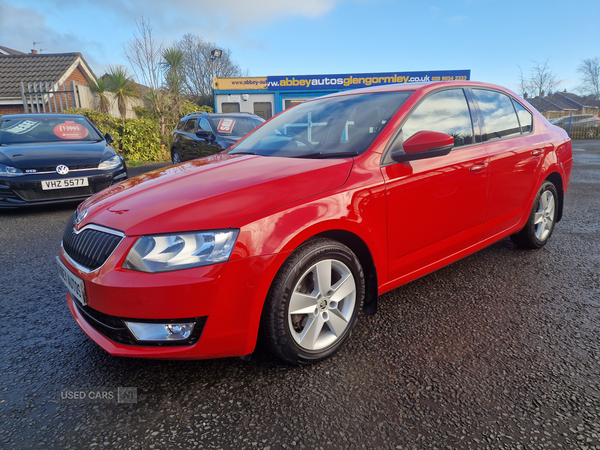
<point>35,115</point>
<point>237,114</point>
<point>425,87</point>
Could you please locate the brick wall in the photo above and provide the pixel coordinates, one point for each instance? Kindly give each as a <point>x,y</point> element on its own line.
<point>77,76</point>
<point>10,109</point>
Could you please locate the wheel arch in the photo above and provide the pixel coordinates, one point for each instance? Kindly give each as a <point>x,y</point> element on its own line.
<point>557,181</point>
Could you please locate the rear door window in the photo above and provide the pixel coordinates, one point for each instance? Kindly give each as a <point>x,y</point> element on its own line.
<point>498,113</point>
<point>525,118</point>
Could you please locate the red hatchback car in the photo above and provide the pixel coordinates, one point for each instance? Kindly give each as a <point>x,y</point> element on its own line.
<point>300,226</point>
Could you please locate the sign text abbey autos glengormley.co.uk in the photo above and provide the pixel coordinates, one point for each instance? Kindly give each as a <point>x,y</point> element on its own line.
<point>340,81</point>
<point>353,81</point>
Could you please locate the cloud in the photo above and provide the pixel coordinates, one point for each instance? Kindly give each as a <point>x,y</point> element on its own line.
<point>13,34</point>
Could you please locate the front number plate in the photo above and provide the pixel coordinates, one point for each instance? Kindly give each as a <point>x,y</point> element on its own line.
<point>64,183</point>
<point>74,284</point>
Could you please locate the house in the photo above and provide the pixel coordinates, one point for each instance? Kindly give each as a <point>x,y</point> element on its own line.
<point>20,71</point>
<point>563,103</point>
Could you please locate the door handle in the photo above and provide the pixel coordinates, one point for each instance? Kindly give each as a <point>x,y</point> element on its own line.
<point>479,167</point>
<point>537,152</point>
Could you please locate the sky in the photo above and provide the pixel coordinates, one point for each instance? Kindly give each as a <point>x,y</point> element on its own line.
<point>492,38</point>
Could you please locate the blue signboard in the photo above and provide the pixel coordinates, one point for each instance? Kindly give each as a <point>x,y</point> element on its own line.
<point>353,81</point>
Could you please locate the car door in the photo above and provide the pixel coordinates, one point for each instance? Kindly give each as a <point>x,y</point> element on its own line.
<point>206,146</point>
<point>516,151</point>
<point>436,206</point>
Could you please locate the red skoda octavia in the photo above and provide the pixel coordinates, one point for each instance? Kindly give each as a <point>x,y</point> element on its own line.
<point>296,230</point>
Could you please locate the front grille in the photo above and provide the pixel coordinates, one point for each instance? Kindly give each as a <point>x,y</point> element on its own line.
<point>40,194</point>
<point>53,168</point>
<point>114,328</point>
<point>90,247</point>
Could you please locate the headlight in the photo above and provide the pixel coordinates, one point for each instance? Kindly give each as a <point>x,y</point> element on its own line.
<point>110,163</point>
<point>8,171</point>
<point>163,253</point>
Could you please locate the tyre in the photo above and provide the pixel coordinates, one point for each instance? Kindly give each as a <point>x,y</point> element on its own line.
<point>591,133</point>
<point>175,156</point>
<point>314,302</point>
<point>541,220</point>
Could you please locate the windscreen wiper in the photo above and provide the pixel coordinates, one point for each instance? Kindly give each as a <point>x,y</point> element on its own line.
<point>321,155</point>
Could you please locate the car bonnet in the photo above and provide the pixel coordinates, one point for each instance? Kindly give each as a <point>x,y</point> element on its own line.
<point>211,193</point>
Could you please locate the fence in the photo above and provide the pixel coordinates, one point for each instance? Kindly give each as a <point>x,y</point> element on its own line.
<point>55,98</point>
<point>578,124</point>
<point>52,98</point>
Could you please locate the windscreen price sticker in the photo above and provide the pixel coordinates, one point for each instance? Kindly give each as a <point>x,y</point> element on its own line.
<point>226,125</point>
<point>70,130</point>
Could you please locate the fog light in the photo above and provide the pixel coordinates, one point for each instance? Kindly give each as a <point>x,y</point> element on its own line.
<point>160,331</point>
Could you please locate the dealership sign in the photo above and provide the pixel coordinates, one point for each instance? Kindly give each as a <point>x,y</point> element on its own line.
<point>352,81</point>
<point>335,82</point>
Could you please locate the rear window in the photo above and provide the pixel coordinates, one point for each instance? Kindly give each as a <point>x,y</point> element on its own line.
<point>47,129</point>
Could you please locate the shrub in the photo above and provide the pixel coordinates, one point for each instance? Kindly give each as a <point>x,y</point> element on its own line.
<point>138,140</point>
<point>141,141</point>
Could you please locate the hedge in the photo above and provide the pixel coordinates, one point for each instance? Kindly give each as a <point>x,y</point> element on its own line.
<point>139,140</point>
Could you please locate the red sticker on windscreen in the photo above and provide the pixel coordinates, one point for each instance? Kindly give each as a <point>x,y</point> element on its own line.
<point>226,125</point>
<point>70,130</point>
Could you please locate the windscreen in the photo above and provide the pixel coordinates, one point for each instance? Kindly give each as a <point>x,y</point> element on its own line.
<point>327,127</point>
<point>46,129</point>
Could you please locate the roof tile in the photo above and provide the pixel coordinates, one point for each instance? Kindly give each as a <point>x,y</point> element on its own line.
<point>31,68</point>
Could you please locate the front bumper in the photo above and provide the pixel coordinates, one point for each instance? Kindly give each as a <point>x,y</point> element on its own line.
<point>227,300</point>
<point>27,189</point>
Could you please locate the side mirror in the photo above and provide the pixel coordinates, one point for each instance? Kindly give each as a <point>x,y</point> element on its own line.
<point>424,144</point>
<point>109,138</point>
<point>203,134</point>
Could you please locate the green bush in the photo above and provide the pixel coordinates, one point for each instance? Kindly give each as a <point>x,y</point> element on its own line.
<point>139,140</point>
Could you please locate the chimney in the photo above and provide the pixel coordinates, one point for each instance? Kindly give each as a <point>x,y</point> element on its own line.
<point>34,51</point>
<point>525,95</point>
<point>542,94</point>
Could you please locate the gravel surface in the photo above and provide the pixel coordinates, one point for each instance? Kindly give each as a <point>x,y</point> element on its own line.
<point>498,351</point>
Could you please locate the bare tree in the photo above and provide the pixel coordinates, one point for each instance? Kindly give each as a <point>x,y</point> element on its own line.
<point>523,84</point>
<point>542,79</point>
<point>198,67</point>
<point>590,77</point>
<point>145,55</point>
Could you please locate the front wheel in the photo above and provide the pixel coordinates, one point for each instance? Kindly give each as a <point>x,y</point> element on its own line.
<point>542,219</point>
<point>314,301</point>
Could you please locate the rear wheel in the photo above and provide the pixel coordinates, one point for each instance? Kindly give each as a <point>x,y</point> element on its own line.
<point>175,155</point>
<point>314,302</point>
<point>541,220</point>
<point>592,133</point>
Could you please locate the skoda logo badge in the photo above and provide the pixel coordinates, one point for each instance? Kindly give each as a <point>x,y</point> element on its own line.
<point>62,169</point>
<point>80,216</point>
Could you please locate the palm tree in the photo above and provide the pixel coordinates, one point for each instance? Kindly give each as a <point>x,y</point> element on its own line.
<point>172,66</point>
<point>100,89</point>
<point>120,84</point>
